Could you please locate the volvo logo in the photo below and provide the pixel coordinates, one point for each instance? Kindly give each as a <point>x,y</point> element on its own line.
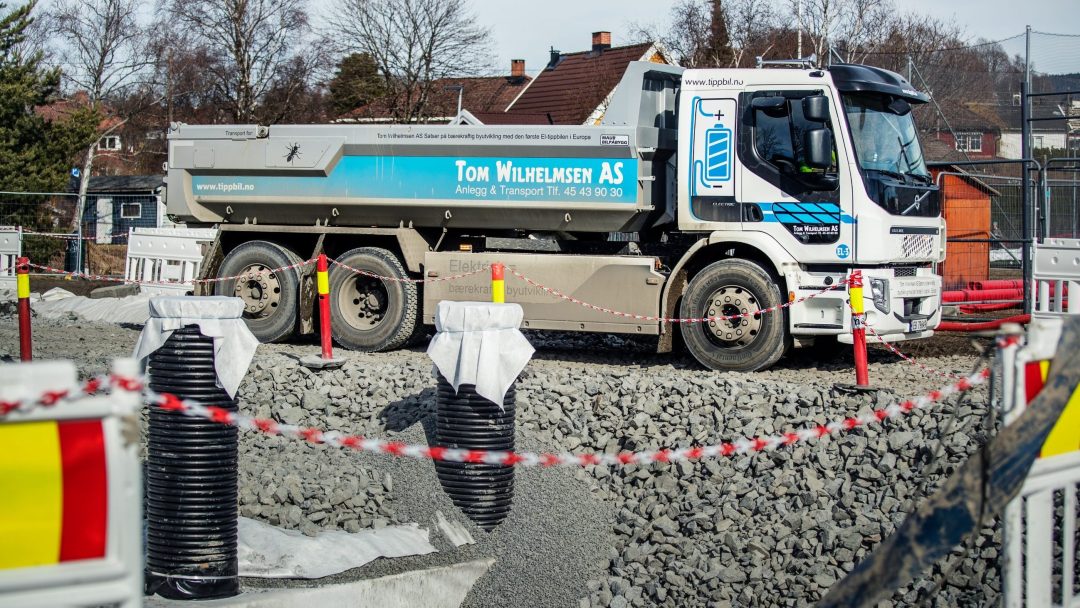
<point>917,203</point>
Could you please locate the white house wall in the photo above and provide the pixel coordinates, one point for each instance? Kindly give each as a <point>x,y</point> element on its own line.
<point>1010,143</point>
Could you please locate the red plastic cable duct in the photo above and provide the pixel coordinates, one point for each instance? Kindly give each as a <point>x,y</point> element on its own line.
<point>997,284</point>
<point>982,326</point>
<point>976,295</point>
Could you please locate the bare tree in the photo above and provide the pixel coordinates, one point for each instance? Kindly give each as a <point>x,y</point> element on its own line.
<point>849,27</point>
<point>754,28</point>
<point>715,33</point>
<point>103,46</point>
<point>414,43</point>
<point>254,46</point>
<point>686,36</point>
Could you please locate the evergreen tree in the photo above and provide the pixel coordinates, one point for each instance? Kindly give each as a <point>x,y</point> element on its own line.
<point>35,153</point>
<point>719,43</point>
<point>356,83</point>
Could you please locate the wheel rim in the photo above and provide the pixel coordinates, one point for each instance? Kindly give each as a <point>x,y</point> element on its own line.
<point>363,302</point>
<point>733,300</point>
<point>259,289</point>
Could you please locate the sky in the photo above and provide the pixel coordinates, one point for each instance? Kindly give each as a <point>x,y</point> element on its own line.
<point>526,30</point>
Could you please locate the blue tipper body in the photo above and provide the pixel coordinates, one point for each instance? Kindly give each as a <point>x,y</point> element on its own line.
<point>588,180</point>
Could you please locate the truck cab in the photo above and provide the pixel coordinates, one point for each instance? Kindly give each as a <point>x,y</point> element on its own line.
<point>819,172</point>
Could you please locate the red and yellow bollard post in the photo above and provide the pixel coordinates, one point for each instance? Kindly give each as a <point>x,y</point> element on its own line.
<point>498,283</point>
<point>858,329</point>
<point>322,283</point>
<point>322,280</point>
<point>22,278</point>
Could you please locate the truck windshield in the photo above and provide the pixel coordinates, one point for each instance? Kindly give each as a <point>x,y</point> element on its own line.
<point>885,136</point>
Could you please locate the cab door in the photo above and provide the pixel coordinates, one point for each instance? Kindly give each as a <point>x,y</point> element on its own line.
<point>801,200</point>
<point>710,168</point>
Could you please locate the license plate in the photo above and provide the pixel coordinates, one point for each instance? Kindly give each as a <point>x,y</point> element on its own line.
<point>918,325</point>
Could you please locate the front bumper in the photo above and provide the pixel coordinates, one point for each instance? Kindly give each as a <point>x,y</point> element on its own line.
<point>897,308</point>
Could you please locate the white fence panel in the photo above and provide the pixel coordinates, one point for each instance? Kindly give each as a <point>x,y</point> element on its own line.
<point>1040,548</point>
<point>1040,524</point>
<point>10,251</point>
<point>1057,273</point>
<point>166,255</point>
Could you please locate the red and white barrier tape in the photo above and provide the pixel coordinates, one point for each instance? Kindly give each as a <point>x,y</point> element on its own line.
<point>94,386</point>
<point>268,271</point>
<point>637,317</point>
<point>73,237</point>
<point>748,445</point>
<point>406,279</point>
<point>511,458</point>
<point>909,358</point>
<point>91,277</point>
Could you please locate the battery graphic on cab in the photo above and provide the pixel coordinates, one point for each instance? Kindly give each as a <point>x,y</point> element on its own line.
<point>717,155</point>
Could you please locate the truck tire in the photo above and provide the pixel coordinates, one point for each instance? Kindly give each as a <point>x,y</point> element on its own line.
<point>726,288</point>
<point>370,314</point>
<point>270,300</point>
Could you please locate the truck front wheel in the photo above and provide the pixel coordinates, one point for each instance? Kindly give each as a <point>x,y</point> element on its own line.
<point>369,313</point>
<point>751,342</point>
<point>270,298</point>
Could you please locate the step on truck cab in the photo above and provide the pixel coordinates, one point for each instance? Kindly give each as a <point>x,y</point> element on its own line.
<point>702,193</point>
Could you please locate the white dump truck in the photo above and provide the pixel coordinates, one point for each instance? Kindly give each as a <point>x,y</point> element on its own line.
<point>701,193</point>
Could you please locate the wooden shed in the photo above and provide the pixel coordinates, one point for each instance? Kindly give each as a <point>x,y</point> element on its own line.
<point>966,203</point>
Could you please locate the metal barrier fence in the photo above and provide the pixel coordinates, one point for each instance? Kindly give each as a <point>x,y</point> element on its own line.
<point>51,236</point>
<point>1060,209</point>
<point>988,230</point>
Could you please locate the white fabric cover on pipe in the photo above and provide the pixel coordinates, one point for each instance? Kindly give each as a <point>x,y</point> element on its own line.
<point>218,317</point>
<point>479,343</point>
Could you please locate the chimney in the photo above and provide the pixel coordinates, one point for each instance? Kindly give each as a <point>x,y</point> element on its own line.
<point>517,68</point>
<point>601,41</point>
<point>556,57</point>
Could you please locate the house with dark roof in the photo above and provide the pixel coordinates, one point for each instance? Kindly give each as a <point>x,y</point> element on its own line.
<point>572,89</point>
<point>575,88</point>
<point>481,94</point>
<point>973,132</point>
<point>1052,130</point>
<point>117,203</point>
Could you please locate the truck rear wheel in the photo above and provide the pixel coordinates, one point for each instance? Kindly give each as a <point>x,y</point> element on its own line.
<point>368,313</point>
<point>270,298</point>
<point>748,343</point>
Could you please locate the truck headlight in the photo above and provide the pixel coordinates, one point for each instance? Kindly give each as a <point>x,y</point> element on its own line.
<point>879,289</point>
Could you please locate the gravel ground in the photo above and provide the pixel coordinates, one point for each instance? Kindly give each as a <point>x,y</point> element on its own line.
<point>770,529</point>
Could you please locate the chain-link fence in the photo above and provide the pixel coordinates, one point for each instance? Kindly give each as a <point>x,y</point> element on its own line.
<point>50,236</point>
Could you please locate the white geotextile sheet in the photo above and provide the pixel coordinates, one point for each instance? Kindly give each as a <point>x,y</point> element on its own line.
<point>266,551</point>
<point>58,303</point>
<point>479,343</point>
<point>218,317</point>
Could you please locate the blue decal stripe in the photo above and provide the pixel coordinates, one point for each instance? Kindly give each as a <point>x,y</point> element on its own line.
<point>609,180</point>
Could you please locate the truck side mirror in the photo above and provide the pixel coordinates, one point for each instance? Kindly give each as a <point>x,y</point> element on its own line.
<point>816,108</point>
<point>818,146</point>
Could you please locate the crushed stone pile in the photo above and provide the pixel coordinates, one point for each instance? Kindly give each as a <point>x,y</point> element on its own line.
<point>776,528</point>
